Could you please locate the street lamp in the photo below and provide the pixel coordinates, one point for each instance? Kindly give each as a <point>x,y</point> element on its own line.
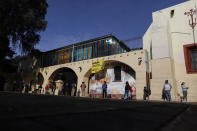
<point>193,22</point>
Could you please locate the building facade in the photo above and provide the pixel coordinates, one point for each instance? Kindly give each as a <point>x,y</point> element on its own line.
<point>170,43</point>
<point>73,65</point>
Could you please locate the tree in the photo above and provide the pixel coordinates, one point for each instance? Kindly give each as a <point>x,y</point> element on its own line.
<point>20,24</point>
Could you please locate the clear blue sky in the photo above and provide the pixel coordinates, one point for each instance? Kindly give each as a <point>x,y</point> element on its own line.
<point>71,21</point>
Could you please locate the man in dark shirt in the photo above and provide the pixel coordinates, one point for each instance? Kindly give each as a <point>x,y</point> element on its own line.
<point>104,87</point>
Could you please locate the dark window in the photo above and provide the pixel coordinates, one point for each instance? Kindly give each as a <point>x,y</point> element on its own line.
<point>117,72</point>
<point>171,13</point>
<point>150,75</point>
<point>151,51</point>
<point>194,59</point>
<point>190,52</point>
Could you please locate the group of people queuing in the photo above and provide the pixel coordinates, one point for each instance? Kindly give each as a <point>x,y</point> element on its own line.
<point>27,88</point>
<point>166,91</point>
<point>66,89</point>
<point>50,86</point>
<point>130,91</point>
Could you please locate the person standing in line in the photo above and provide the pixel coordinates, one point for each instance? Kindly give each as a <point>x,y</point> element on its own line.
<point>26,88</point>
<point>83,86</point>
<point>184,89</point>
<point>133,88</point>
<point>167,88</point>
<point>63,90</point>
<point>53,87</point>
<point>47,89</point>
<point>127,87</point>
<point>37,88</point>
<point>22,87</point>
<point>147,92</point>
<point>40,89</point>
<point>104,87</point>
<point>163,96</point>
<point>73,92</point>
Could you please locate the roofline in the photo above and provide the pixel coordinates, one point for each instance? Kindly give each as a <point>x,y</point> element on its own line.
<point>88,41</point>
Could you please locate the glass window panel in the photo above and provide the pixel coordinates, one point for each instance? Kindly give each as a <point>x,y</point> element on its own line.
<point>194,59</point>
<point>93,50</point>
<point>87,51</point>
<point>117,72</point>
<point>78,52</point>
<point>70,54</point>
<point>102,48</point>
<point>74,54</point>
<point>81,52</point>
<point>97,49</point>
<point>91,53</point>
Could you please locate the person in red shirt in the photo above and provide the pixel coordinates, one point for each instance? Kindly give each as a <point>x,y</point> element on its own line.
<point>47,89</point>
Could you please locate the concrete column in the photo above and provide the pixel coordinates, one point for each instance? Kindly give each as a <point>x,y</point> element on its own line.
<point>79,82</point>
<point>140,83</point>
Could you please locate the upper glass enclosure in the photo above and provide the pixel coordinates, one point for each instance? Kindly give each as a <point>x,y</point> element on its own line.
<point>99,47</point>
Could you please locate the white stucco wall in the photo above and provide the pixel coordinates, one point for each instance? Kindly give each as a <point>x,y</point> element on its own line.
<point>168,34</point>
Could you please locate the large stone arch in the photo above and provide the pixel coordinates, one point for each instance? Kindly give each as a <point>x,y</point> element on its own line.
<point>109,65</point>
<point>48,71</point>
<point>68,78</point>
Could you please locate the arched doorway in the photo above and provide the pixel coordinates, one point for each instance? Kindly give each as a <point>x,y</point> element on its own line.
<point>116,74</point>
<point>69,78</point>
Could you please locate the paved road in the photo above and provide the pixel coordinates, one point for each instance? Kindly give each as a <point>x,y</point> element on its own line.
<point>39,112</point>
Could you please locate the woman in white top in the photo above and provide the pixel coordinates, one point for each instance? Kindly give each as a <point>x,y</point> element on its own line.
<point>167,88</point>
<point>184,89</point>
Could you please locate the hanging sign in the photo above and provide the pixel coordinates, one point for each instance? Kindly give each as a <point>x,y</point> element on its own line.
<point>97,66</point>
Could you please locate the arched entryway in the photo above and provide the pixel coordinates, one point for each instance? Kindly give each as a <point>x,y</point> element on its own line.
<point>69,78</point>
<point>116,74</point>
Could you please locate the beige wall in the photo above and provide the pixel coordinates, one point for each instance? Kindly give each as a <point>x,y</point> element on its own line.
<point>168,35</point>
<point>129,58</point>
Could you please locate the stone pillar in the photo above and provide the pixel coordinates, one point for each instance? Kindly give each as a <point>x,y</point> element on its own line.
<point>86,80</point>
<point>140,83</point>
<point>79,82</point>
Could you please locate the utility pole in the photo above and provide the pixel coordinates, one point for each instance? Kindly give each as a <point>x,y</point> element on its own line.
<point>193,22</point>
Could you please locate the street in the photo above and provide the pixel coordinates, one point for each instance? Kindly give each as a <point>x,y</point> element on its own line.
<point>41,112</point>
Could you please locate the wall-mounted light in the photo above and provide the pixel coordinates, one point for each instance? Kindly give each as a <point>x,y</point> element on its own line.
<point>80,69</point>
<point>139,60</point>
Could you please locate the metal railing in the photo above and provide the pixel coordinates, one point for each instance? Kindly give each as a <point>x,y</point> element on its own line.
<point>134,43</point>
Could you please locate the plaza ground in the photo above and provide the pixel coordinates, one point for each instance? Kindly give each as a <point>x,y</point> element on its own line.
<point>42,112</point>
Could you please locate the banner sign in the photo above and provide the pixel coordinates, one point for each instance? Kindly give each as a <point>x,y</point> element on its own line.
<point>97,66</point>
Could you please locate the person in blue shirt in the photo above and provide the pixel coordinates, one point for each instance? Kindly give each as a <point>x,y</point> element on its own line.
<point>184,89</point>
<point>104,87</point>
<point>127,88</point>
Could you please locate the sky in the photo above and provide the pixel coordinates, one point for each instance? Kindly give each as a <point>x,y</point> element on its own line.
<point>72,21</point>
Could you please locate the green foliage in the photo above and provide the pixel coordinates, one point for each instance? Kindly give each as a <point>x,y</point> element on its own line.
<point>20,24</point>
